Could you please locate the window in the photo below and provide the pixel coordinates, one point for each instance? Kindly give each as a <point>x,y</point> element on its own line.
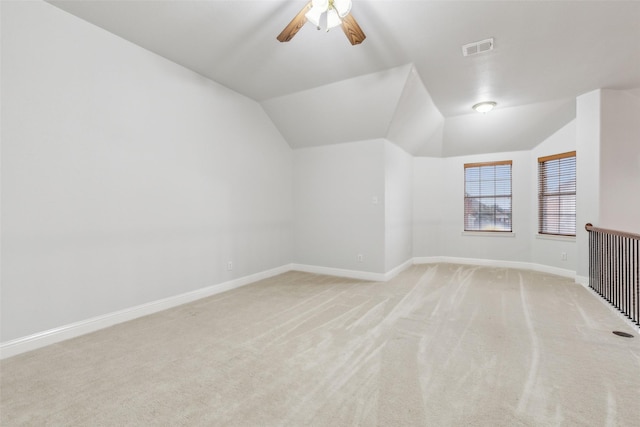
<point>487,196</point>
<point>557,194</point>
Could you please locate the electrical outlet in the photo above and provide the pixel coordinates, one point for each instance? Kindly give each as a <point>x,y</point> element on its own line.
<point>563,256</point>
<point>229,265</point>
<point>360,258</point>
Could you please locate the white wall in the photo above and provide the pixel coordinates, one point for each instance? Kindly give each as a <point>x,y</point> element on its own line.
<point>620,161</point>
<point>398,206</point>
<point>427,206</point>
<point>494,246</point>
<point>336,216</point>
<point>605,135</point>
<point>439,210</point>
<point>350,199</point>
<point>587,173</point>
<point>608,160</point>
<point>547,250</point>
<point>125,177</point>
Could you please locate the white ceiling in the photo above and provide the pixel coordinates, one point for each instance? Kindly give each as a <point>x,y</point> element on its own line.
<point>408,81</point>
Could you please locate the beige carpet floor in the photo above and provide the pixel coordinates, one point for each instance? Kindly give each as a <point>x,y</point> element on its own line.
<point>440,345</point>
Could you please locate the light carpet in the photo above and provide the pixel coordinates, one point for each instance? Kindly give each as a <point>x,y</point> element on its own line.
<point>439,345</point>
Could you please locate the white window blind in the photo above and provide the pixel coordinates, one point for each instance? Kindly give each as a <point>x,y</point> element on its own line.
<point>487,196</point>
<point>557,194</point>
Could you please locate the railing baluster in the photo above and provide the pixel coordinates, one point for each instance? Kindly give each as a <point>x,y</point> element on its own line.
<point>629,268</point>
<point>637,276</point>
<point>616,272</point>
<point>614,269</point>
<point>608,261</point>
<point>624,268</point>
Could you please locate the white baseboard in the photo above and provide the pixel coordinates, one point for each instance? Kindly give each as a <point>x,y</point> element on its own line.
<point>582,280</point>
<point>65,332</point>
<point>72,330</point>
<point>340,272</point>
<point>498,263</point>
<point>397,270</point>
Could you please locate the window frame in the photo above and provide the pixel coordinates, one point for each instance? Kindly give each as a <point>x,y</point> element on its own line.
<point>468,199</point>
<point>542,224</point>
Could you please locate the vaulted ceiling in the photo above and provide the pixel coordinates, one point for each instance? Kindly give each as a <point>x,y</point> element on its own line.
<point>408,81</point>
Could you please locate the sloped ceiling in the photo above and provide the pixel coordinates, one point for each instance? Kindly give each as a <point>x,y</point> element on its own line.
<point>507,129</point>
<point>394,104</point>
<point>408,82</point>
<point>350,110</point>
<point>417,123</point>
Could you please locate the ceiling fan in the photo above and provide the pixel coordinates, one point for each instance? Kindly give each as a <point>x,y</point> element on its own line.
<point>325,14</point>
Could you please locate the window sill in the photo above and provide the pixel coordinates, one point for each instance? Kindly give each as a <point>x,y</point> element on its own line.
<point>556,238</point>
<point>489,233</point>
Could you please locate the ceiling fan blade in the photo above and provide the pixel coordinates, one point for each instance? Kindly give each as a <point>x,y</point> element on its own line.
<point>352,30</point>
<point>294,26</point>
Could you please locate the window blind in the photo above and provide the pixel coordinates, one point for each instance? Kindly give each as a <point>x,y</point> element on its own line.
<point>557,194</point>
<point>487,196</point>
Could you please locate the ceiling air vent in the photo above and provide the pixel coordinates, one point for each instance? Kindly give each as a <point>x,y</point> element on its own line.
<point>477,47</point>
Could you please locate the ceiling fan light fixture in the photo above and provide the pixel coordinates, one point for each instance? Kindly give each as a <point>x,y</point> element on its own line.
<point>484,107</point>
<point>314,15</point>
<point>343,7</point>
<point>333,20</point>
<point>333,10</point>
<point>325,14</point>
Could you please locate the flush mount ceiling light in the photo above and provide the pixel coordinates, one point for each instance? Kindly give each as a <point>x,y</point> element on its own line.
<point>484,107</point>
<point>325,14</point>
